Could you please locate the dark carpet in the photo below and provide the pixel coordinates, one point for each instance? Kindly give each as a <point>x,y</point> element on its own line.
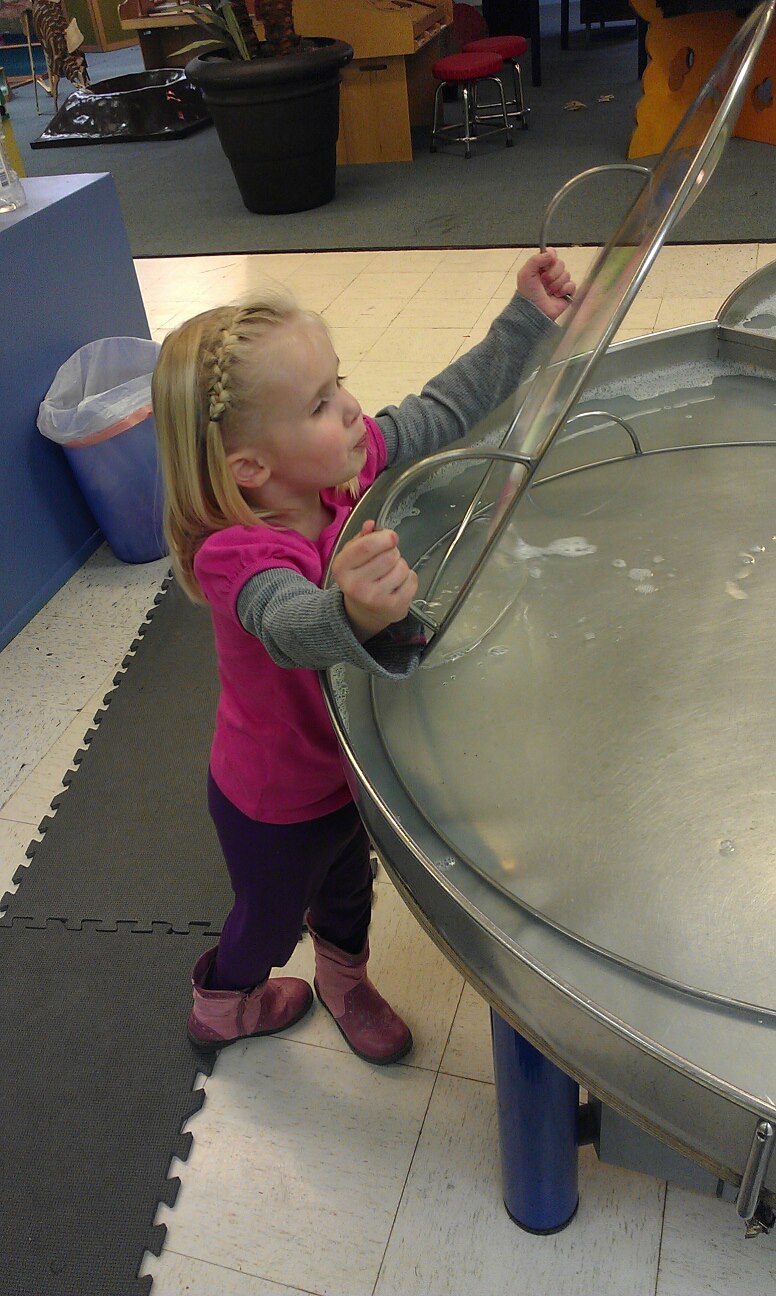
<point>178,196</point>
<point>123,893</point>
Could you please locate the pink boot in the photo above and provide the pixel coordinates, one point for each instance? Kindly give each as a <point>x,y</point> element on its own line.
<point>367,1023</point>
<point>221,1017</point>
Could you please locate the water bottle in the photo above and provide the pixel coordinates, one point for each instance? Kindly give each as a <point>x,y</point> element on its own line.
<point>12,193</point>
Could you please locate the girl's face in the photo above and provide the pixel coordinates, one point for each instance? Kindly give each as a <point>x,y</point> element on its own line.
<point>312,430</point>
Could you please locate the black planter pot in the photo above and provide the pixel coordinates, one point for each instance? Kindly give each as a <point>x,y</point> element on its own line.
<point>278,121</point>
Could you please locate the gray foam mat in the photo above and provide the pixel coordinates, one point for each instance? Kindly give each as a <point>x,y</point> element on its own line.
<point>96,1082</point>
<point>131,840</point>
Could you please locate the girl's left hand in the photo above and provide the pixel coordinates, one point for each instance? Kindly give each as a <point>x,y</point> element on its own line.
<point>546,282</point>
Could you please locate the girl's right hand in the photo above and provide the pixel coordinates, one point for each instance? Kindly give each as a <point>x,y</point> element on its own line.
<point>377,584</point>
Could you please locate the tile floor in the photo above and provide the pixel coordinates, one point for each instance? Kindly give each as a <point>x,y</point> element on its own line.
<point>310,1171</point>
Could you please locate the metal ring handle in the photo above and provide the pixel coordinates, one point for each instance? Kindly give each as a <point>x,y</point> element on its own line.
<point>575,180</point>
<point>442,457</point>
<point>613,418</point>
<point>408,476</point>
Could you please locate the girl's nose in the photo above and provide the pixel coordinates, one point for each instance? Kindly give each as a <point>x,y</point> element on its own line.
<point>352,408</point>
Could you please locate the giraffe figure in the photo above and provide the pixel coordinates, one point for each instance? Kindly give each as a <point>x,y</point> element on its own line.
<point>61,41</point>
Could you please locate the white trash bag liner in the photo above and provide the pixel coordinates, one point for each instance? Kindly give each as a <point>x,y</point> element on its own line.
<point>103,389</point>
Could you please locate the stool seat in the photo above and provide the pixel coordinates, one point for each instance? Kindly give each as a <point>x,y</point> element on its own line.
<point>508,47</point>
<point>466,67</point>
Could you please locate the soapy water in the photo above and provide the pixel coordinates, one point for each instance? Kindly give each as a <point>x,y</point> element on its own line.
<point>762,323</point>
<point>497,586</point>
<point>671,379</point>
<point>567,547</point>
<point>339,690</point>
<point>406,507</point>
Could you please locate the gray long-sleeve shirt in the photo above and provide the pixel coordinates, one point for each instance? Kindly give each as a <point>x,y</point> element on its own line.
<point>301,625</point>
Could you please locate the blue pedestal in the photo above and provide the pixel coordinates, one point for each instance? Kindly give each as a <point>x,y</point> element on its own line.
<point>538,1113</point>
<point>67,279</point>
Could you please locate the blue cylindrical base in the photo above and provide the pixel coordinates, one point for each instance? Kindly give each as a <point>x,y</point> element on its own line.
<point>538,1107</point>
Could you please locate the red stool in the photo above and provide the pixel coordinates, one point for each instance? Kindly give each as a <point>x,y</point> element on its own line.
<point>510,48</point>
<point>468,71</point>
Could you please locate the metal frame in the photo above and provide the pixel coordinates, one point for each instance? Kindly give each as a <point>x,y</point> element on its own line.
<point>515,106</point>
<point>470,119</point>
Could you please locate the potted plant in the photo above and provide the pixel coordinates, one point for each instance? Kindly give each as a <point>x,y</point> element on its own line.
<point>275,103</point>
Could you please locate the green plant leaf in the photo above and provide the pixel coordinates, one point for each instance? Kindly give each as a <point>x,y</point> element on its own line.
<point>234,31</point>
<point>194,45</point>
<point>209,20</point>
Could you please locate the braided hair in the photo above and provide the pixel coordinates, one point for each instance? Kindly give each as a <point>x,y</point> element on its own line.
<point>205,380</point>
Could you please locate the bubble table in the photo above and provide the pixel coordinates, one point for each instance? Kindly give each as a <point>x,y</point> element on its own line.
<point>581,811</point>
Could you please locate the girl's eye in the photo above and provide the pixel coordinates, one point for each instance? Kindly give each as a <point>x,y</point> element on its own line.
<point>324,399</point>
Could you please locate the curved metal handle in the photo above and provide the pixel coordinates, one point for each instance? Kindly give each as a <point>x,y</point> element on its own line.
<point>613,418</point>
<point>408,476</point>
<point>575,180</point>
<point>442,457</point>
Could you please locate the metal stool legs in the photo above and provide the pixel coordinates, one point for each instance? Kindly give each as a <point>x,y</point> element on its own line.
<point>538,1113</point>
<point>472,118</point>
<point>515,106</point>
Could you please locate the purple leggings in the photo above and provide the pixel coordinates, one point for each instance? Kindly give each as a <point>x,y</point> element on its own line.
<point>278,872</point>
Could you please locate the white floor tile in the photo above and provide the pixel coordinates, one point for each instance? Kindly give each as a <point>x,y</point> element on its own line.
<point>700,270</point>
<point>766,252</point>
<point>32,798</point>
<point>468,1052</point>
<point>676,313</point>
<point>175,1275</point>
<point>480,259</point>
<point>387,383</point>
<point>60,661</point>
<point>14,840</point>
<point>434,347</point>
<point>352,310</point>
<point>299,1159</point>
<point>448,284</point>
<point>453,1236</point>
<point>352,344</point>
<point>409,261</point>
<point>453,313</point>
<point>29,729</point>
<point>705,1253</point>
<point>396,283</point>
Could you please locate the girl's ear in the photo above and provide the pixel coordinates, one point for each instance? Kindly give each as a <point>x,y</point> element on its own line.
<point>248,468</point>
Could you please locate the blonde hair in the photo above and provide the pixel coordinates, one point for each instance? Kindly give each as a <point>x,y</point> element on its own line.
<point>206,379</point>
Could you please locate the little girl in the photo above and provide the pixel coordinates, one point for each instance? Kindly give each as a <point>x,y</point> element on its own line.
<point>264,452</point>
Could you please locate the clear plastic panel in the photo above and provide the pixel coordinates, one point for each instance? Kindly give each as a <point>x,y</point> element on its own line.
<point>466,582</point>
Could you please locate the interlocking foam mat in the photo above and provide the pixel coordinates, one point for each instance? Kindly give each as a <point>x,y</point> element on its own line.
<point>123,893</point>
<point>131,839</point>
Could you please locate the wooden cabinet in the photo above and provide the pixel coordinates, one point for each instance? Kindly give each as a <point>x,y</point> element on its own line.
<point>388,88</point>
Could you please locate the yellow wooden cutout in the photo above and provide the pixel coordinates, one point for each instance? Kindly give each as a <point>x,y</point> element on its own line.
<point>682,52</point>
